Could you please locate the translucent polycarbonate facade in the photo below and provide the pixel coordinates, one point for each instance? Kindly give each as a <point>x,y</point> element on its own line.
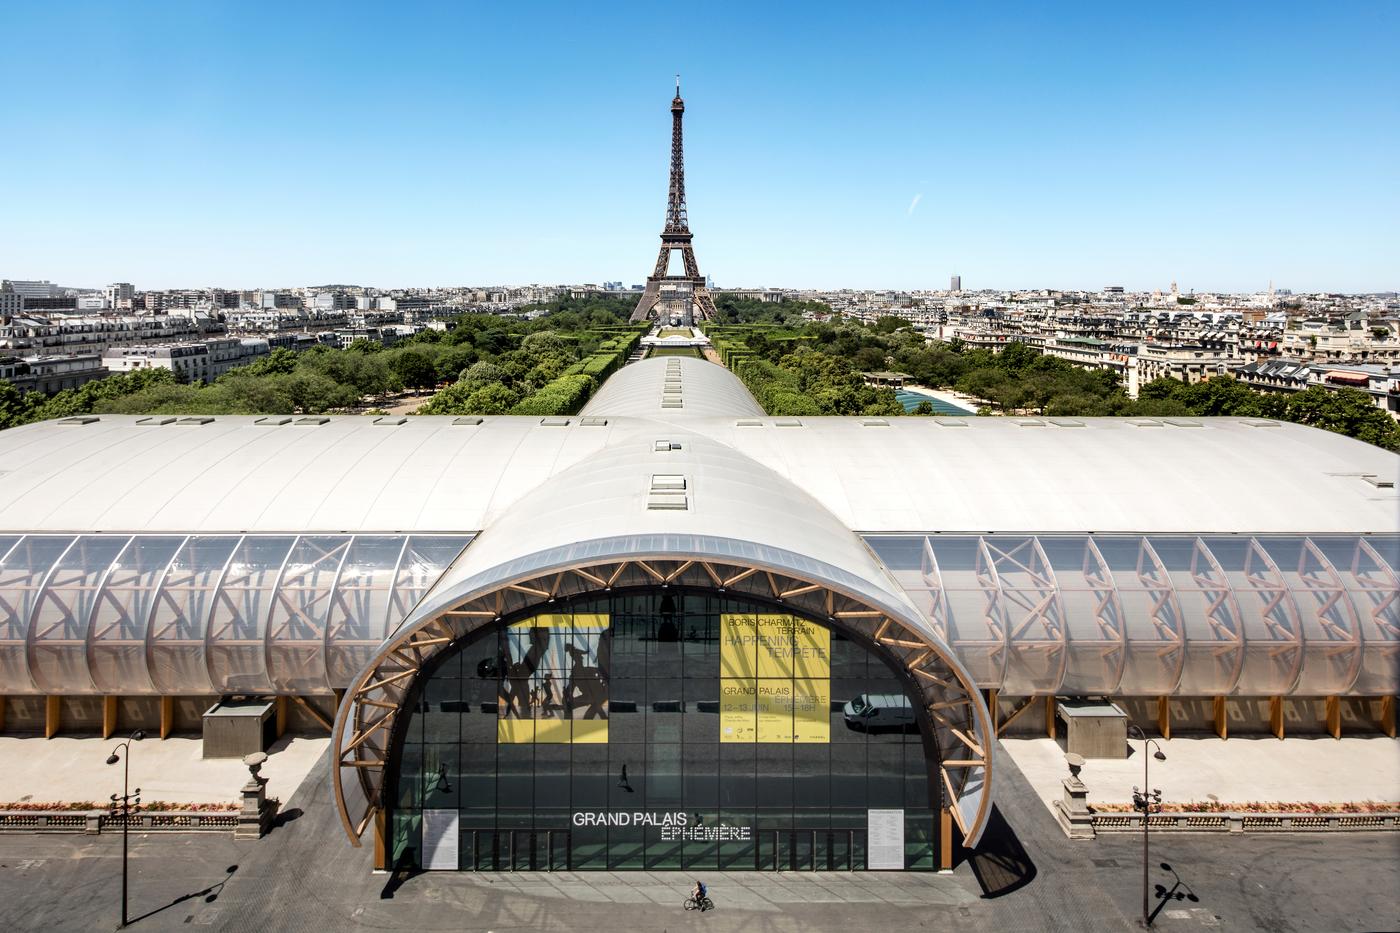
<point>199,614</point>
<point>1157,615</point>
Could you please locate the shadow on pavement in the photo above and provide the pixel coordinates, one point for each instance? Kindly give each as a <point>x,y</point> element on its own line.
<point>1179,891</point>
<point>404,869</point>
<point>210,895</point>
<point>284,817</point>
<point>1000,863</point>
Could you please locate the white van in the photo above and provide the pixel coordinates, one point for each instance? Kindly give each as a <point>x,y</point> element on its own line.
<point>879,712</point>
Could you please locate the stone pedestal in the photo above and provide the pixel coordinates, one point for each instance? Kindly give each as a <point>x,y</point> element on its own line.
<point>1072,810</point>
<point>255,818</point>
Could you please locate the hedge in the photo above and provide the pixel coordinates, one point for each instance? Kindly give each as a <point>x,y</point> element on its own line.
<point>610,355</point>
<point>562,396</point>
<point>774,389</point>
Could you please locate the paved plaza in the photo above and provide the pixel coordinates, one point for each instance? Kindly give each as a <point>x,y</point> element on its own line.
<point>1026,877</point>
<point>1249,769</point>
<point>75,769</point>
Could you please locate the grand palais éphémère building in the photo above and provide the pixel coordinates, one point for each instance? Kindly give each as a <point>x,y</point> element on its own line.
<point>674,632</point>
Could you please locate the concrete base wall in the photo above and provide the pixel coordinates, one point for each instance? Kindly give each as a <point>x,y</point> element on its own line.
<point>24,715</point>
<point>1196,715</point>
<point>82,715</point>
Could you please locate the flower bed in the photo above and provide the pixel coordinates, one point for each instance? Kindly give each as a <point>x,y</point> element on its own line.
<point>152,807</point>
<point>1216,806</point>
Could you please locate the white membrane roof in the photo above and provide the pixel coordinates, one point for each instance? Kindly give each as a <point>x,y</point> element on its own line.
<point>651,389</point>
<point>351,474</point>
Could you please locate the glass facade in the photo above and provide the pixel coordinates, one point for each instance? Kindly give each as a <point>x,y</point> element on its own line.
<point>1157,615</point>
<point>201,614</point>
<point>663,729</point>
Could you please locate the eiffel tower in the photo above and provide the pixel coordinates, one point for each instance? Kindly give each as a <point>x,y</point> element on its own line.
<point>681,298</point>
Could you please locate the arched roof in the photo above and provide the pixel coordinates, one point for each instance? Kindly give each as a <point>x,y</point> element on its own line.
<point>441,474</point>
<point>688,501</point>
<point>696,493</point>
<point>674,387</point>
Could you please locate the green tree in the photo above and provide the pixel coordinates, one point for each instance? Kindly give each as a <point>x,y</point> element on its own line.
<point>1346,411</point>
<point>493,399</point>
<point>414,368</point>
<point>16,407</point>
<point>451,362</point>
<point>483,373</point>
<point>280,361</point>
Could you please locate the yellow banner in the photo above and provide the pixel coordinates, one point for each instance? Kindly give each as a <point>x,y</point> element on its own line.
<point>811,653</point>
<point>579,622</point>
<point>775,679</point>
<point>738,645</point>
<point>774,710</point>
<point>553,684</point>
<point>774,646</point>
<point>736,710</point>
<point>811,710</point>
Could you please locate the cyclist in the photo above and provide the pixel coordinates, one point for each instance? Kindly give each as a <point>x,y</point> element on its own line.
<point>700,892</point>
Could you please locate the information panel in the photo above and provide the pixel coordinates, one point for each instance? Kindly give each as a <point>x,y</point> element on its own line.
<point>440,840</point>
<point>885,832</point>
<point>775,679</point>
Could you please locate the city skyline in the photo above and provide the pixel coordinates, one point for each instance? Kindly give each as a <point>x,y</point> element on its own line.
<point>1070,150</point>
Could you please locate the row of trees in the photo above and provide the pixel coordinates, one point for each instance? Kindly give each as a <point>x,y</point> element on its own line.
<point>815,368</point>
<point>490,364</point>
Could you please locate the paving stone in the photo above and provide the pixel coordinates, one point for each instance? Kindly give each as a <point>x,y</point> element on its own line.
<point>304,876</point>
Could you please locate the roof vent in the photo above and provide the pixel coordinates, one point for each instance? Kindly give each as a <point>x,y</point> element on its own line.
<point>1145,422</point>
<point>390,420</point>
<point>592,422</point>
<point>554,422</point>
<point>269,421</point>
<point>787,423</point>
<point>748,423</point>
<point>312,421</point>
<point>468,420</point>
<point>875,422</point>
<point>1182,422</point>
<point>950,422</point>
<point>1376,481</point>
<point>1066,423</point>
<point>662,482</point>
<point>154,420</point>
<point>78,420</point>
<point>1030,422</point>
<point>195,421</point>
<point>668,501</point>
<point>672,403</point>
<point>1259,423</point>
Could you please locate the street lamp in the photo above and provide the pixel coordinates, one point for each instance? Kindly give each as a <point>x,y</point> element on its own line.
<point>1145,800</point>
<point>127,804</point>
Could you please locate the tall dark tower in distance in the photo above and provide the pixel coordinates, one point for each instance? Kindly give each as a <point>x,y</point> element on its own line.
<point>683,299</point>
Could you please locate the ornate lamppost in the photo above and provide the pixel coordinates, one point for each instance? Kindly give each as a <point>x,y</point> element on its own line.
<point>1145,800</point>
<point>125,806</point>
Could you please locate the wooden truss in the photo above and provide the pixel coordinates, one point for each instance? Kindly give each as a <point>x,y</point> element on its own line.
<point>364,729</point>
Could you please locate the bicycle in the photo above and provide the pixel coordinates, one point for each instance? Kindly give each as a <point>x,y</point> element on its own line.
<point>701,904</point>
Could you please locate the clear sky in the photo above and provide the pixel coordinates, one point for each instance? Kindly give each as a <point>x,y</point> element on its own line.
<point>243,144</point>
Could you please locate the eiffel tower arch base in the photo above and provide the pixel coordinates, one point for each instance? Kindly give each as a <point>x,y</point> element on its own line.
<point>675,300</point>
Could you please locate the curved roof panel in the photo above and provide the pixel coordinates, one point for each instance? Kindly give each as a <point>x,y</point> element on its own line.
<point>443,474</point>
<point>674,387</point>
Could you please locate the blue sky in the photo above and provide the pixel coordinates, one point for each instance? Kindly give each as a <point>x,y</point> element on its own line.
<point>1218,145</point>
